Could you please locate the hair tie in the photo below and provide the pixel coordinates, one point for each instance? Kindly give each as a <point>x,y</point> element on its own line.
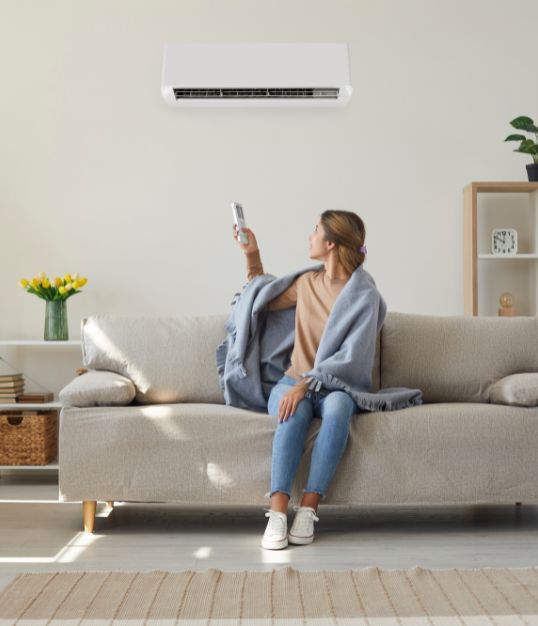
<point>362,249</point>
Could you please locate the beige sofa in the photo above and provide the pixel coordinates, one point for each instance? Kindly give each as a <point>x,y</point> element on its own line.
<point>148,422</point>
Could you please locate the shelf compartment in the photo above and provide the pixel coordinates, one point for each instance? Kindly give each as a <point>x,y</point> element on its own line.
<point>489,205</point>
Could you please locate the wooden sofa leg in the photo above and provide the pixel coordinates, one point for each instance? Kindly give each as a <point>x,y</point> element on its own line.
<point>88,513</point>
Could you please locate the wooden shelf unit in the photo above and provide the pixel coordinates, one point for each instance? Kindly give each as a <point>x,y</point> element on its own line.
<point>471,253</point>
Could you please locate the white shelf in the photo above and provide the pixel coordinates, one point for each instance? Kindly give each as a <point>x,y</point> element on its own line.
<point>34,406</point>
<point>27,406</point>
<point>38,342</point>
<point>494,205</point>
<point>50,466</point>
<point>512,257</point>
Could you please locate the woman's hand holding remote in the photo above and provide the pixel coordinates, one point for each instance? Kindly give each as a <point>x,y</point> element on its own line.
<point>252,244</point>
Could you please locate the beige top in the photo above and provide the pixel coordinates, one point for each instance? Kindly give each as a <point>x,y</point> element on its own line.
<point>313,293</point>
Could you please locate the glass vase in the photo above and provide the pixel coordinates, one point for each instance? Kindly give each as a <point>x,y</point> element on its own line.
<point>56,320</point>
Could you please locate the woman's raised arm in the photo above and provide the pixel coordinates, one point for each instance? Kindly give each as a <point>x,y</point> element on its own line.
<point>252,253</point>
<point>287,298</point>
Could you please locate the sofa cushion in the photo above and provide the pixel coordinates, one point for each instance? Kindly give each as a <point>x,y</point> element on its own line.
<point>98,388</point>
<point>168,359</point>
<point>206,454</point>
<point>517,389</point>
<point>455,358</point>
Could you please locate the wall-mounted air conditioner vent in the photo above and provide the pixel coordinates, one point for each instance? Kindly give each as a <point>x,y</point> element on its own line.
<point>256,75</point>
<point>268,92</point>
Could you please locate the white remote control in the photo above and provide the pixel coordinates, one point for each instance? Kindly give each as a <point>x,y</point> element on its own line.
<point>239,219</point>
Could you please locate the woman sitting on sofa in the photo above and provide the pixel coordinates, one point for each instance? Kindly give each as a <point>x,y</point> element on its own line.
<point>338,241</point>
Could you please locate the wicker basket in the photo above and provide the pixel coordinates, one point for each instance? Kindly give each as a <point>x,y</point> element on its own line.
<point>28,439</point>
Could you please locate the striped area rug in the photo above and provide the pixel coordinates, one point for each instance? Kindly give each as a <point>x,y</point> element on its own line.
<point>283,597</point>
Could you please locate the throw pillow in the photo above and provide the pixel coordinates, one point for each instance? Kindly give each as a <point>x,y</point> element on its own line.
<point>98,388</point>
<point>517,389</point>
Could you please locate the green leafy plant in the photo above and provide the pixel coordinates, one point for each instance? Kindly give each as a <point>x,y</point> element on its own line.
<point>528,146</point>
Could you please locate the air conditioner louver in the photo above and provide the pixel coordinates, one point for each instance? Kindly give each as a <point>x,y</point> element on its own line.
<point>251,75</point>
<point>264,94</point>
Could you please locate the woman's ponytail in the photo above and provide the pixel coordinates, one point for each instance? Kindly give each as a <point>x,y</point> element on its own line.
<point>347,230</point>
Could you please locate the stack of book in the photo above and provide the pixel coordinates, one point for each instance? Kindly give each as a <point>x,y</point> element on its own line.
<point>36,397</point>
<point>11,388</point>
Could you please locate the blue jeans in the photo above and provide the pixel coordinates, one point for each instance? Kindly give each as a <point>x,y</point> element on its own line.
<point>335,409</point>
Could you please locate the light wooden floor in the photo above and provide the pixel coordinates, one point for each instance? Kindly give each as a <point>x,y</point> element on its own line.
<point>37,533</point>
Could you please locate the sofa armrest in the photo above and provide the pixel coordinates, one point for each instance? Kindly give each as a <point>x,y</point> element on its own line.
<point>98,388</point>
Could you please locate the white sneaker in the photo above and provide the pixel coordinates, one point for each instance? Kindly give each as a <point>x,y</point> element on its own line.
<point>302,529</point>
<point>276,533</point>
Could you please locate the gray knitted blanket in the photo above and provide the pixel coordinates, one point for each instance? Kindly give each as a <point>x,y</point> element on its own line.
<point>257,349</point>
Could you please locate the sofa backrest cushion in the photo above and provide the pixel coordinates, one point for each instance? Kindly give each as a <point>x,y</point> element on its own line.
<point>455,358</point>
<point>168,359</point>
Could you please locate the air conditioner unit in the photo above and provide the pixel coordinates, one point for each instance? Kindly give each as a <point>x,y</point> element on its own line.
<point>256,74</point>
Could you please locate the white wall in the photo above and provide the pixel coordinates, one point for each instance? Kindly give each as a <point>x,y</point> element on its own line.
<point>99,176</point>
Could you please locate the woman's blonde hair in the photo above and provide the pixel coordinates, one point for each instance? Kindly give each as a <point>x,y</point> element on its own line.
<point>347,230</point>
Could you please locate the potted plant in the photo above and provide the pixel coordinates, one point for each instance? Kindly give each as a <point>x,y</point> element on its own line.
<point>528,146</point>
<point>55,293</point>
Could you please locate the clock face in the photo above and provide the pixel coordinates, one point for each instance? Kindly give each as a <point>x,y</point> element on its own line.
<point>504,241</point>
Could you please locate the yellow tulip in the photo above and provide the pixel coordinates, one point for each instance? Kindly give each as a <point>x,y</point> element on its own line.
<point>68,287</point>
<point>46,283</point>
<point>23,282</point>
<point>42,275</point>
<point>84,280</point>
<point>68,278</point>
<point>58,281</point>
<point>62,290</point>
<point>35,283</point>
<point>75,284</point>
